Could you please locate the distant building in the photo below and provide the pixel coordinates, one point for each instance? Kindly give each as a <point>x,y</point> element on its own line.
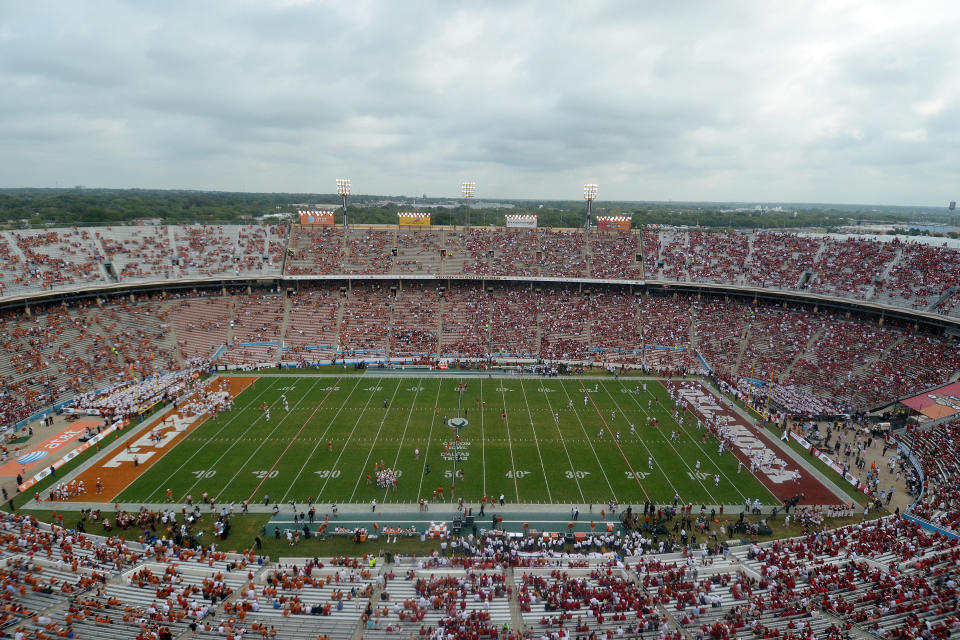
<point>480,204</point>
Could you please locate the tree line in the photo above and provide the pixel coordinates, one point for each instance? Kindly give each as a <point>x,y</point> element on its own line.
<point>90,207</point>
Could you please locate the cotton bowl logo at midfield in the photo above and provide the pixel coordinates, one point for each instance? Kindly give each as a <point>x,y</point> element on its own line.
<point>457,423</point>
<point>33,456</point>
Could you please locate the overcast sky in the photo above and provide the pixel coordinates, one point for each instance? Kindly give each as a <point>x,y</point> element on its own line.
<point>788,101</point>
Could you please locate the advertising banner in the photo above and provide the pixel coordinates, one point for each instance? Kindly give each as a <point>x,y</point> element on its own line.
<point>521,222</point>
<point>413,219</point>
<point>324,218</point>
<point>73,453</point>
<point>613,223</point>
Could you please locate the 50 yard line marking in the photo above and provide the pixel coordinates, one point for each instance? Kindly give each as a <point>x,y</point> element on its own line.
<point>335,385</point>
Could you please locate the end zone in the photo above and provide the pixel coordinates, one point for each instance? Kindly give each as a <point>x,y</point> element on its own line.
<point>120,468</point>
<point>746,438</point>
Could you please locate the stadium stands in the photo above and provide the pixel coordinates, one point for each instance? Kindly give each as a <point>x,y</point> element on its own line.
<point>845,362</point>
<point>46,260</point>
<point>912,275</point>
<point>848,363</point>
<point>887,577</point>
<point>414,328</point>
<point>138,253</point>
<point>465,322</point>
<point>315,250</point>
<point>941,498</point>
<point>890,578</point>
<point>313,322</point>
<point>366,320</point>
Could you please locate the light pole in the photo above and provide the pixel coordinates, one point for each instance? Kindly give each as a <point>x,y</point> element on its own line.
<point>467,189</point>
<point>589,193</point>
<point>343,190</point>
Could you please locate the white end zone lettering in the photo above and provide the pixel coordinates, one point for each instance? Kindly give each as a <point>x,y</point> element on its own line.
<point>146,446</point>
<point>741,436</point>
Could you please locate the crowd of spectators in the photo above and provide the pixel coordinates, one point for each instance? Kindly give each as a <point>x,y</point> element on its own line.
<point>921,275</point>
<point>315,250</point>
<point>366,318</point>
<point>911,274</point>
<point>815,360</point>
<point>414,326</point>
<point>849,268</point>
<point>940,502</point>
<point>465,322</point>
<point>313,320</point>
<point>53,259</point>
<point>888,577</point>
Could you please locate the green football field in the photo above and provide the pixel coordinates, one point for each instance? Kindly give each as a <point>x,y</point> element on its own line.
<point>533,440</point>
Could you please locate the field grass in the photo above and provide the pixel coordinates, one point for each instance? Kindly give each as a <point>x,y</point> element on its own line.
<point>526,454</point>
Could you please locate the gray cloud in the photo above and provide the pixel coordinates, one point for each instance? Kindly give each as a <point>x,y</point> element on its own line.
<point>842,102</point>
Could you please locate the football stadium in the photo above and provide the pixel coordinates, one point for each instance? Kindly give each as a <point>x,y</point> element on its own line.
<point>609,429</point>
<point>370,320</point>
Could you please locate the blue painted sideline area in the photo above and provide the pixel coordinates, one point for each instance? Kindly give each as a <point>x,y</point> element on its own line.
<point>928,526</point>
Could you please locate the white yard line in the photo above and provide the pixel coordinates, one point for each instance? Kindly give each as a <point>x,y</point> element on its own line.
<point>483,441</point>
<point>426,450</point>
<point>320,440</point>
<point>536,442</point>
<point>386,491</point>
<point>589,441</point>
<point>344,447</point>
<point>374,445</point>
<point>708,456</point>
<point>227,423</point>
<point>573,470</point>
<point>506,420</point>
<point>655,461</point>
<point>263,441</point>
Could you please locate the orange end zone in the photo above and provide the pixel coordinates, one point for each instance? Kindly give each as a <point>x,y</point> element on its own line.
<point>118,470</point>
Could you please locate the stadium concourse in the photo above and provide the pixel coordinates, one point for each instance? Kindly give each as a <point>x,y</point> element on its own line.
<point>814,325</point>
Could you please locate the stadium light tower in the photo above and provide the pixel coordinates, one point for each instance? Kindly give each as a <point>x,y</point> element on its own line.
<point>343,190</point>
<point>589,194</point>
<point>467,189</point>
